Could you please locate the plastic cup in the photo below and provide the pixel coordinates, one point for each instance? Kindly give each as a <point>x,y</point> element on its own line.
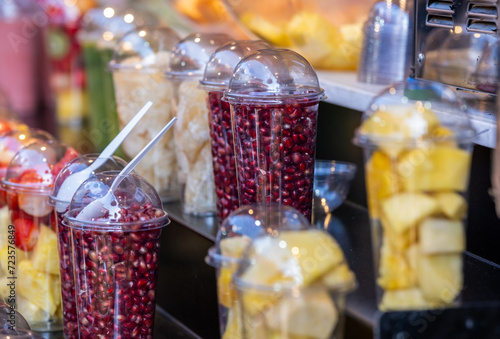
<point>293,284</point>
<point>116,257</point>
<point>139,60</point>
<point>417,143</point>
<point>31,233</point>
<point>274,96</point>
<point>191,132</point>
<point>70,321</point>
<point>215,80</point>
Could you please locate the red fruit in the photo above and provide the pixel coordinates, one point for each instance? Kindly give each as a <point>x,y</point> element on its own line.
<point>30,176</point>
<point>12,200</point>
<point>26,233</point>
<point>53,221</point>
<point>70,154</point>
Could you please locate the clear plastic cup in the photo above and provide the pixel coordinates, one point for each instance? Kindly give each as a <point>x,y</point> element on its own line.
<point>191,131</point>
<point>274,96</point>
<point>139,60</point>
<point>215,80</point>
<point>293,284</point>
<point>70,320</point>
<point>417,142</point>
<point>13,324</point>
<point>233,237</point>
<point>116,257</point>
<point>31,233</point>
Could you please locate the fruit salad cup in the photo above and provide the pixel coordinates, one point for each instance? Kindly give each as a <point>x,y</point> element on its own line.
<point>293,285</point>
<point>233,237</point>
<point>274,96</point>
<point>191,132</point>
<point>139,60</point>
<point>417,142</point>
<point>60,199</point>
<point>116,256</point>
<point>31,253</point>
<point>215,80</point>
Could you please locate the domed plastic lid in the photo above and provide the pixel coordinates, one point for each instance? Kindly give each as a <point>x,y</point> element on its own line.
<point>35,166</point>
<point>86,166</point>
<point>248,222</point>
<point>270,75</point>
<point>145,48</point>
<point>410,112</point>
<point>222,62</point>
<point>190,56</point>
<point>134,205</point>
<point>106,25</point>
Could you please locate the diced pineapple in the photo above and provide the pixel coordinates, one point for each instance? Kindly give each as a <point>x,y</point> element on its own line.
<point>453,205</point>
<point>40,288</point>
<point>441,236</point>
<point>339,276</point>
<point>405,299</point>
<point>398,241</point>
<point>225,288</point>
<point>440,276</point>
<point>45,256</point>
<point>404,210</point>
<point>311,314</point>
<point>435,169</point>
<point>443,136</point>
<point>394,271</point>
<point>272,32</point>
<point>412,254</point>
<point>233,328</point>
<point>234,247</point>
<point>4,257</point>
<point>31,312</point>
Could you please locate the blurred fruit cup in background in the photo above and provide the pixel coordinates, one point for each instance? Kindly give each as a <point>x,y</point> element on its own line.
<point>274,96</point>
<point>215,80</point>
<point>193,148</point>
<point>292,283</point>
<point>139,61</point>
<point>101,28</point>
<point>57,200</point>
<point>31,233</point>
<point>116,257</point>
<point>417,142</point>
<point>329,34</point>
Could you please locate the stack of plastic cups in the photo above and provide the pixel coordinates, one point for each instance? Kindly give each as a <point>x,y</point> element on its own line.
<point>32,233</point>
<point>417,141</point>
<point>191,131</point>
<point>274,96</point>
<point>215,80</point>
<point>60,198</point>
<point>116,250</point>
<point>139,61</point>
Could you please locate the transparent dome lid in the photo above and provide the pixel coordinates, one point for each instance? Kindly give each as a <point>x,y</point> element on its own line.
<point>413,111</point>
<point>144,48</point>
<point>222,62</point>
<point>75,172</point>
<point>134,202</point>
<point>190,56</point>
<point>271,74</point>
<point>35,166</point>
<point>106,25</point>
<point>248,222</point>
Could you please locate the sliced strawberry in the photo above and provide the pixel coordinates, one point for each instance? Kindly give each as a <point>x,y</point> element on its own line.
<point>12,200</point>
<point>26,233</point>
<point>30,176</point>
<point>70,154</point>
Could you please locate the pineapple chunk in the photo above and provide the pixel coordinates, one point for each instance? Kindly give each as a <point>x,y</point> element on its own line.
<point>394,271</point>
<point>234,247</point>
<point>31,312</point>
<point>233,328</point>
<point>402,211</point>
<point>453,205</point>
<point>340,276</point>
<point>405,299</point>
<point>398,241</point>
<point>441,236</point>
<point>45,256</point>
<point>40,288</point>
<point>440,276</point>
<point>435,169</point>
<point>266,29</point>
<point>412,254</point>
<point>225,288</point>
<point>4,257</point>
<point>311,314</point>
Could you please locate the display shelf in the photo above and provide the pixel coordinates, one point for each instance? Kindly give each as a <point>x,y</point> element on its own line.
<point>343,89</point>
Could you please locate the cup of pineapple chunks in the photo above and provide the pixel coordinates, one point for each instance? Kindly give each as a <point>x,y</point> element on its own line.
<point>417,142</point>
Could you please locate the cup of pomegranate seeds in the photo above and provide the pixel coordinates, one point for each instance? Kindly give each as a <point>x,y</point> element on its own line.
<point>60,198</point>
<point>191,132</point>
<point>233,237</point>
<point>31,253</point>
<point>218,71</point>
<point>116,257</point>
<point>274,96</point>
<point>139,60</point>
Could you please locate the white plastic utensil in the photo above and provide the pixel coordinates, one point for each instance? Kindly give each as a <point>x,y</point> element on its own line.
<point>108,202</point>
<point>70,185</point>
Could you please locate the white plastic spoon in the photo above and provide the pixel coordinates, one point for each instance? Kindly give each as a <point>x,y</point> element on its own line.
<point>108,202</point>
<point>70,185</point>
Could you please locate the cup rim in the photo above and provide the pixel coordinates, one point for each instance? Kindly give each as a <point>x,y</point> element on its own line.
<point>347,169</point>
<point>317,94</point>
<point>218,260</point>
<point>15,187</point>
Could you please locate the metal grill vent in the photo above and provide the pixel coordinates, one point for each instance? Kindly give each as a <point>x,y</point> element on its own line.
<point>482,18</point>
<point>440,13</point>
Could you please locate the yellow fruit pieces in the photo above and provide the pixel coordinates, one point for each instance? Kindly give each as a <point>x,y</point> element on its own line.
<point>452,204</point>
<point>45,256</point>
<point>441,236</point>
